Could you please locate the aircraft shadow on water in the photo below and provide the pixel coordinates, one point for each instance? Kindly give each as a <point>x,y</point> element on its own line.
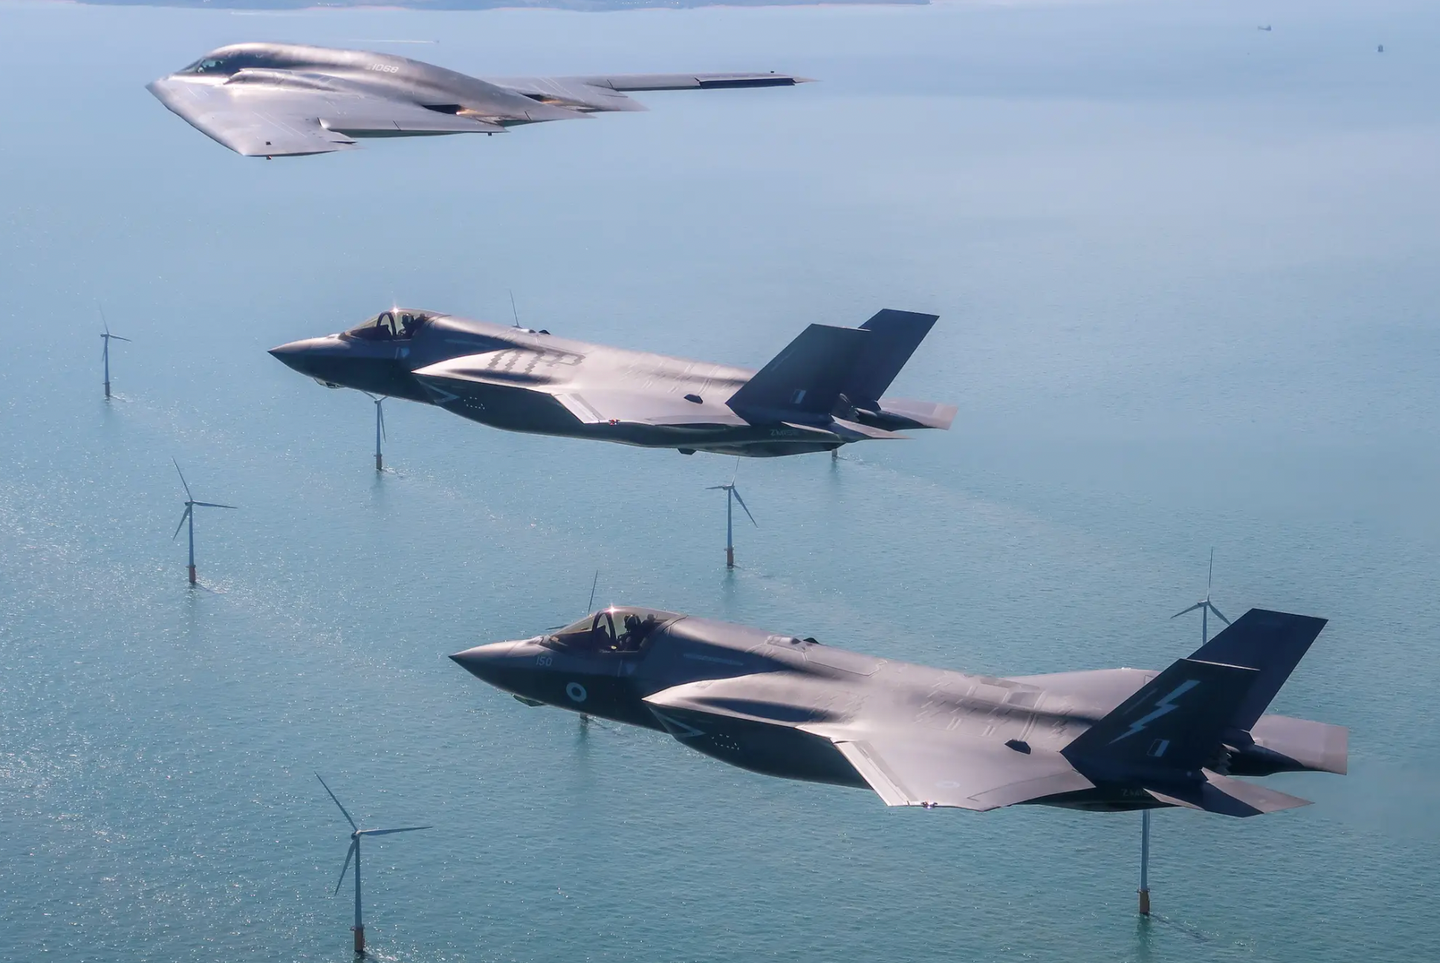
<point>272,99</point>
<point>821,392</point>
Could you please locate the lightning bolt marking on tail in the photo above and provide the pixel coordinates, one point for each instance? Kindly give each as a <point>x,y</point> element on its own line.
<point>1163,707</point>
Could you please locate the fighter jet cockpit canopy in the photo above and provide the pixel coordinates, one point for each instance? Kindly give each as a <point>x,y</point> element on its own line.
<point>611,631</point>
<point>397,324</point>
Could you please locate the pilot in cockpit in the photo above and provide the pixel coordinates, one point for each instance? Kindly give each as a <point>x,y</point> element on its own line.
<point>600,633</point>
<point>636,630</point>
<point>385,326</point>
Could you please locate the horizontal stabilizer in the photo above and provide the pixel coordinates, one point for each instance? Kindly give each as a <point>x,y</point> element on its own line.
<point>905,413</point>
<point>1176,721</point>
<point>1227,797</point>
<point>1312,746</point>
<point>805,378</point>
<point>1272,643</point>
<point>854,429</point>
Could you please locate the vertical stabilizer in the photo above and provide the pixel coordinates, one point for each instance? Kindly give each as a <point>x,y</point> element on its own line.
<point>1272,643</point>
<point>1176,721</point>
<point>894,336</point>
<point>804,380</point>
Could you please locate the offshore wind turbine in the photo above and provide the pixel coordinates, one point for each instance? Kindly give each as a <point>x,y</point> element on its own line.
<point>732,495</point>
<point>190,505</point>
<point>379,428</point>
<point>354,851</point>
<point>106,337</point>
<point>1205,606</point>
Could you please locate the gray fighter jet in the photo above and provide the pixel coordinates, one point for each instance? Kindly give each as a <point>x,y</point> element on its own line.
<point>274,99</point>
<point>823,391</point>
<point>1106,740</point>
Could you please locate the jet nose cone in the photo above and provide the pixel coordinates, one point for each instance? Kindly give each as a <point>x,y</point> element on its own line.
<point>488,663</point>
<point>299,355</point>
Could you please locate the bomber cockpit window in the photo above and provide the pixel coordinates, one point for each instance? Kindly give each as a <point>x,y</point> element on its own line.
<point>229,64</point>
<point>396,325</point>
<point>205,65</point>
<point>611,631</point>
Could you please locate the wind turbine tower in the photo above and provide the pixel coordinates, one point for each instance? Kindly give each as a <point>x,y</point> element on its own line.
<point>354,851</point>
<point>379,428</point>
<point>732,495</point>
<point>106,337</point>
<point>190,505</point>
<point>1206,607</point>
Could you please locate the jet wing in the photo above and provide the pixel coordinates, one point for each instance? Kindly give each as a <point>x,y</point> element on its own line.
<point>907,770</point>
<point>607,406</point>
<point>604,93</point>
<point>274,119</point>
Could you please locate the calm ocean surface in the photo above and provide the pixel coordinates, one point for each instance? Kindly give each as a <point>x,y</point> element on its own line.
<point>1186,274</point>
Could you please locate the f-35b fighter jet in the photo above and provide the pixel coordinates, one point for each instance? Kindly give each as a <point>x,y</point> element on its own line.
<point>1107,740</point>
<point>823,391</point>
<point>274,99</point>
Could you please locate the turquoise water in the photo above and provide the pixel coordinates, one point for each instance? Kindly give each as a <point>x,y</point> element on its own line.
<point>1186,277</point>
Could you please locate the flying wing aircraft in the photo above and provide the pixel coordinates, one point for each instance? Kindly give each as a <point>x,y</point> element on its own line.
<point>823,391</point>
<point>1107,740</point>
<point>274,99</point>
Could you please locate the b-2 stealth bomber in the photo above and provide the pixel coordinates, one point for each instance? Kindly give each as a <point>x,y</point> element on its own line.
<point>1107,740</point>
<point>823,391</point>
<point>276,99</point>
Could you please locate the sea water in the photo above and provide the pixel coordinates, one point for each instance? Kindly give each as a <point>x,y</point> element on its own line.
<point>1185,271</point>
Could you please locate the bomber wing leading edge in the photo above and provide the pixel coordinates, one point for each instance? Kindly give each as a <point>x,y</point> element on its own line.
<point>271,100</point>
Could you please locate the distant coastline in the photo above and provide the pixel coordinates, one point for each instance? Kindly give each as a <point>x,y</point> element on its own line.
<point>452,5</point>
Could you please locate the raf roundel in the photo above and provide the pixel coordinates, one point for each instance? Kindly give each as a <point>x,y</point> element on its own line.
<point>576,692</point>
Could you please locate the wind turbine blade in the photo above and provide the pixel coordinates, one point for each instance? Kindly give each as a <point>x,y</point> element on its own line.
<point>182,479</point>
<point>716,488</point>
<point>103,320</point>
<point>742,505</point>
<point>1210,576</point>
<point>1197,605</point>
<point>214,505</point>
<point>387,832</point>
<point>116,337</point>
<point>736,473</point>
<point>380,416</point>
<point>182,523</point>
<point>348,853</point>
<point>1218,615</point>
<point>513,311</point>
<point>590,606</point>
<point>337,802</point>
